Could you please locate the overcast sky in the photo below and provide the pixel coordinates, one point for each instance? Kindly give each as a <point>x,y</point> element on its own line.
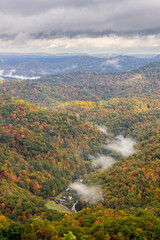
<point>80,26</point>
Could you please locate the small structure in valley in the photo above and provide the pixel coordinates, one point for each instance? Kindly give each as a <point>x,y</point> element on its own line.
<point>62,201</point>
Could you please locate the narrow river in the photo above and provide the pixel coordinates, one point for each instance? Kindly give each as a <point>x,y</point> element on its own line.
<point>74,206</point>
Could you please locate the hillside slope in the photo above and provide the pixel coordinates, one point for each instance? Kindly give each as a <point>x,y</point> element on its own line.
<point>39,65</point>
<point>42,151</point>
<point>133,182</point>
<point>82,86</point>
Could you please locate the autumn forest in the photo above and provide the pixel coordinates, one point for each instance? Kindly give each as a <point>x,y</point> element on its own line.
<point>80,156</point>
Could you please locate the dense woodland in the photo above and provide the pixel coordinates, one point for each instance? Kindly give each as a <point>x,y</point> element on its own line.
<point>83,86</point>
<point>47,133</point>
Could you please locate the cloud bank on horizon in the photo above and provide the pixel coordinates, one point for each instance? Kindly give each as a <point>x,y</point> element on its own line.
<point>70,25</point>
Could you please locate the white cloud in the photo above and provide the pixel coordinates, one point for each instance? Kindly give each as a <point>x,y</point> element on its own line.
<point>112,63</point>
<point>12,74</point>
<point>103,129</point>
<point>105,162</point>
<point>125,146</point>
<point>91,194</point>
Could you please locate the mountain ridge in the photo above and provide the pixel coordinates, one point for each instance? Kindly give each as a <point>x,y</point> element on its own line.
<point>35,66</point>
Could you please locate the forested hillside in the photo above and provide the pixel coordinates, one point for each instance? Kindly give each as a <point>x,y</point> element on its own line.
<point>83,86</point>
<point>133,182</point>
<point>44,149</point>
<point>33,66</point>
<point>41,151</point>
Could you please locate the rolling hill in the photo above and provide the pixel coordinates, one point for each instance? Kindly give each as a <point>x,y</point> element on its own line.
<point>47,141</point>
<point>32,66</point>
<point>41,151</point>
<point>82,86</point>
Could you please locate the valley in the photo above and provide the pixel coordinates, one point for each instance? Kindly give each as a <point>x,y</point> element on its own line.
<point>54,129</point>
